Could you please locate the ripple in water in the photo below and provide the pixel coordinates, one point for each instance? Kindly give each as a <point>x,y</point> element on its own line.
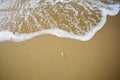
<point>21,20</point>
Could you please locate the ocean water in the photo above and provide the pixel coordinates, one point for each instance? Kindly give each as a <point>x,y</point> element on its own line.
<point>21,20</point>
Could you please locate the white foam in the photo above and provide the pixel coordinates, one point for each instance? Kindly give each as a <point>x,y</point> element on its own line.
<point>9,36</point>
<point>106,9</point>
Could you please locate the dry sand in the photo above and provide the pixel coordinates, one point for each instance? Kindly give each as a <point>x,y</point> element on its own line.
<point>48,57</point>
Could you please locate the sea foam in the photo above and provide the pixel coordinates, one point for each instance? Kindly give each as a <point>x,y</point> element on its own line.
<point>21,20</point>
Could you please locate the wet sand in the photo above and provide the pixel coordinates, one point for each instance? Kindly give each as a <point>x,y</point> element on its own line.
<point>48,57</point>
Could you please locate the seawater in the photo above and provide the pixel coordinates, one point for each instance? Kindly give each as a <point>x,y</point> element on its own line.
<point>21,20</point>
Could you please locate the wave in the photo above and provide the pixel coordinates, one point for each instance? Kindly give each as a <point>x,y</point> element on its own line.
<point>21,20</point>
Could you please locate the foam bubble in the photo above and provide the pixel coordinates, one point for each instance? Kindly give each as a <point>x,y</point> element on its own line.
<point>21,20</point>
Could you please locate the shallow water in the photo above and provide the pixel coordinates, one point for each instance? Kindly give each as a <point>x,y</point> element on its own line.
<point>21,20</point>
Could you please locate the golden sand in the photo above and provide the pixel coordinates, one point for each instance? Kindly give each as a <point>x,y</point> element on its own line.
<point>48,57</point>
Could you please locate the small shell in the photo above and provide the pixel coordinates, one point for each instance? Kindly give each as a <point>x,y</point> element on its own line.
<point>62,54</point>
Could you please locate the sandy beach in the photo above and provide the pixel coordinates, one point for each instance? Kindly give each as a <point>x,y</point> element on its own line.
<point>48,57</point>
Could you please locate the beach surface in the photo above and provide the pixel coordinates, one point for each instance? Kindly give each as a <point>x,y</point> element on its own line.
<point>48,57</point>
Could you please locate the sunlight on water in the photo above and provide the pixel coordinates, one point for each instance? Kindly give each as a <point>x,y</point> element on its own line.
<point>21,20</point>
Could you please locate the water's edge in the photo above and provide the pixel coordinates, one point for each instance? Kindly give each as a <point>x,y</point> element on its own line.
<point>105,9</point>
